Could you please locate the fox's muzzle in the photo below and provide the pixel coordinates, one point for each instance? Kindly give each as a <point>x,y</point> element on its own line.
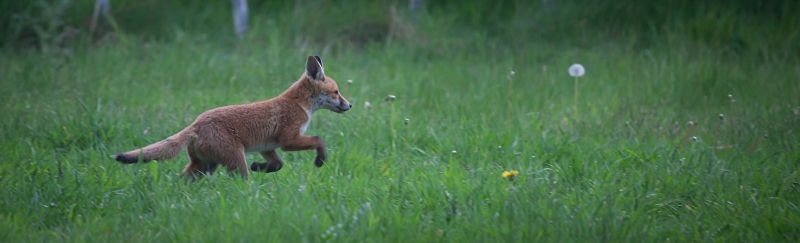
<point>344,107</point>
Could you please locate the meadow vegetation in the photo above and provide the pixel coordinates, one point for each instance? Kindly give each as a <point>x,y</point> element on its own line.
<point>429,165</point>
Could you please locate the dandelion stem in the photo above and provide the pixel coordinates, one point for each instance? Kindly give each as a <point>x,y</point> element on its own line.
<point>391,125</point>
<point>730,118</point>
<point>730,122</point>
<point>576,98</point>
<point>510,98</point>
<point>688,131</point>
<point>754,145</point>
<point>405,140</point>
<point>716,131</point>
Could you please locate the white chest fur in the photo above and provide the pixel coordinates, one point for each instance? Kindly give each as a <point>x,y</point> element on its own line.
<point>305,125</point>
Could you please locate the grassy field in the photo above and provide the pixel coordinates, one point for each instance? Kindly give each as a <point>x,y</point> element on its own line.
<point>624,166</point>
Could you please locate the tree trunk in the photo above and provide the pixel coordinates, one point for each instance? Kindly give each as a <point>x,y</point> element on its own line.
<point>240,17</point>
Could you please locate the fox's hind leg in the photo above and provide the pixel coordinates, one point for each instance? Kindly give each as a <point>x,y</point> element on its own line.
<point>197,167</point>
<point>236,162</point>
<point>231,156</point>
<point>273,163</point>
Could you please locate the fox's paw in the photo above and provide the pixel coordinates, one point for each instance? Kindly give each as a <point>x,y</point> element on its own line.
<point>319,161</point>
<point>265,167</point>
<point>258,166</point>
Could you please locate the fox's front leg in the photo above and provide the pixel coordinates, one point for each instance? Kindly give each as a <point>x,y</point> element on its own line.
<point>302,142</point>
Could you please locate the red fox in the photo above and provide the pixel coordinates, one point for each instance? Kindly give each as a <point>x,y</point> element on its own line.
<point>221,136</point>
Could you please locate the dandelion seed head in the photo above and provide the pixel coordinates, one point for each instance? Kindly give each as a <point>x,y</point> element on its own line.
<point>576,70</point>
<point>366,206</point>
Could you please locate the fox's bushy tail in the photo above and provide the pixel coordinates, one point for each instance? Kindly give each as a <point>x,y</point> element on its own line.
<point>165,149</point>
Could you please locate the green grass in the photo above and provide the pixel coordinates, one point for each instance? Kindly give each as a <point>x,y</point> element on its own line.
<point>619,171</point>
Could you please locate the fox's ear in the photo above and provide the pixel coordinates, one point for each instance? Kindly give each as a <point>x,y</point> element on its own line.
<point>314,70</point>
<point>320,61</point>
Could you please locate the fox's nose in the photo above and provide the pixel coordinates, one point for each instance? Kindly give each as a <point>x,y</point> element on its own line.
<point>350,106</point>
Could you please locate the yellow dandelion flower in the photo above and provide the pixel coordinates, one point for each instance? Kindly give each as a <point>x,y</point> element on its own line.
<point>510,174</point>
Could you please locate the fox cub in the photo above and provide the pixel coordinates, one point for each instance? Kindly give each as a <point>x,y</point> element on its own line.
<point>223,135</point>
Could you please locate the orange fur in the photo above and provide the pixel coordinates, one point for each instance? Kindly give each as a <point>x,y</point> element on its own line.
<point>221,136</point>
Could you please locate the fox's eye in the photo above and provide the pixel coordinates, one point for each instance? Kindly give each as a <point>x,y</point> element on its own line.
<point>336,92</point>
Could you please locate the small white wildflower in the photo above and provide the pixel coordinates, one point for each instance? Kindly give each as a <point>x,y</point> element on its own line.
<point>576,70</point>
<point>390,98</point>
<point>454,152</point>
<point>349,81</point>
<point>511,74</point>
<point>367,104</point>
<point>694,139</point>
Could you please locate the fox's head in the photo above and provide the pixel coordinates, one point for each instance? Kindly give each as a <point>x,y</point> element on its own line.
<point>328,96</point>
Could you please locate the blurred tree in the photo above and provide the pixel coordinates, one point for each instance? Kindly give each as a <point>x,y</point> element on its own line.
<point>414,6</point>
<point>240,17</point>
<point>102,7</point>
